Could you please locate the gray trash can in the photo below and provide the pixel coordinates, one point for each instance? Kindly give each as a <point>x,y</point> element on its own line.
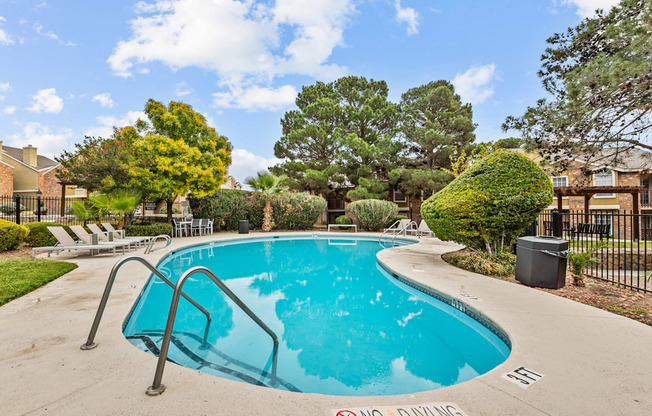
<point>541,261</point>
<point>243,227</point>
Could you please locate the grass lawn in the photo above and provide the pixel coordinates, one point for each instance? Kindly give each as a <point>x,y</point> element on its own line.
<point>21,276</point>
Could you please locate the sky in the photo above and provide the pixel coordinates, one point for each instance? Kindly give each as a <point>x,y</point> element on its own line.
<point>70,69</point>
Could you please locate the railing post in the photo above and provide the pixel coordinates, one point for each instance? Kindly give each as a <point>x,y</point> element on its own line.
<point>556,223</point>
<point>17,202</point>
<point>38,207</point>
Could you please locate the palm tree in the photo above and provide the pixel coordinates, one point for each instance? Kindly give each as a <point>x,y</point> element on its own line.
<point>267,184</point>
<point>120,202</point>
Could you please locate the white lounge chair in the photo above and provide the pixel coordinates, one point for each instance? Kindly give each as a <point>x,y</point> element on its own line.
<point>84,236</point>
<point>108,227</point>
<point>65,242</point>
<point>425,230</point>
<point>104,236</point>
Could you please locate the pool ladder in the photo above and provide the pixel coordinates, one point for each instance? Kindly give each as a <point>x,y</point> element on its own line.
<point>157,387</point>
<point>412,225</point>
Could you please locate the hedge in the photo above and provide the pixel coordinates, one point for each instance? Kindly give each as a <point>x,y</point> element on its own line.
<point>373,214</point>
<point>11,235</point>
<point>296,211</point>
<point>228,206</point>
<point>40,236</point>
<point>489,204</point>
<point>9,208</point>
<point>148,229</point>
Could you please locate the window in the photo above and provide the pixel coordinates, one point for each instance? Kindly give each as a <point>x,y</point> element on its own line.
<point>559,181</point>
<point>398,195</point>
<point>604,179</point>
<point>425,195</point>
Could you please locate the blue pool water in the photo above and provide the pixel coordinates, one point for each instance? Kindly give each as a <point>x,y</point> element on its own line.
<point>345,326</point>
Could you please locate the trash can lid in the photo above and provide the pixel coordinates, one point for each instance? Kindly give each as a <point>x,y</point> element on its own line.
<point>543,242</point>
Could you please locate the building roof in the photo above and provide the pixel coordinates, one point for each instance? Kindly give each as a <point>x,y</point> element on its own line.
<point>631,160</point>
<point>42,162</point>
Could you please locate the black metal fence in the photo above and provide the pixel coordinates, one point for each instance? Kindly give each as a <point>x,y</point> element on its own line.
<point>26,209</point>
<point>622,242</point>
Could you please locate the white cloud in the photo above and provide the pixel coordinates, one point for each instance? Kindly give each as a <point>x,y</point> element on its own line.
<point>9,109</point>
<point>5,39</point>
<point>5,87</point>
<point>181,89</point>
<point>240,40</point>
<point>104,99</point>
<point>39,29</point>
<point>106,123</point>
<point>49,142</point>
<point>46,100</point>
<point>245,164</point>
<point>409,16</point>
<point>587,8</point>
<point>257,98</point>
<point>474,85</point>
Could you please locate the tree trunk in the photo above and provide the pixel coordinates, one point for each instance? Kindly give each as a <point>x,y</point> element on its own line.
<point>267,215</point>
<point>169,207</point>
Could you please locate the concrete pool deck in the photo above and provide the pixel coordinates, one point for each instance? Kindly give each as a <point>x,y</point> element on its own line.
<point>593,362</point>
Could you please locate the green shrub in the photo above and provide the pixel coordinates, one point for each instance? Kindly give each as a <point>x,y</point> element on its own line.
<point>394,219</point>
<point>502,264</point>
<point>228,206</point>
<point>11,235</point>
<point>489,204</point>
<point>343,219</point>
<point>9,208</point>
<point>148,229</point>
<point>44,211</point>
<point>164,210</point>
<point>39,235</point>
<point>296,211</point>
<point>373,214</point>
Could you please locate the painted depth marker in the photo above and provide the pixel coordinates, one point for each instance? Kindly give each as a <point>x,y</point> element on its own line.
<point>523,377</point>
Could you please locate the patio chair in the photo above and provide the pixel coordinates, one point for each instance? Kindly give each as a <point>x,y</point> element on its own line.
<point>104,236</point>
<point>179,228</point>
<point>65,242</point>
<point>108,227</point>
<point>424,229</point>
<point>197,227</point>
<point>84,236</point>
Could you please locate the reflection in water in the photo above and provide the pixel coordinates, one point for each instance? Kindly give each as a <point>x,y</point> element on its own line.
<point>345,327</point>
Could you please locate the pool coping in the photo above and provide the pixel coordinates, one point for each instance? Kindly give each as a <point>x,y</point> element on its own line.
<point>592,361</point>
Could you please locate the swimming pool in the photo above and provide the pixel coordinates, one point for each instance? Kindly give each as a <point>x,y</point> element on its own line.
<point>345,325</point>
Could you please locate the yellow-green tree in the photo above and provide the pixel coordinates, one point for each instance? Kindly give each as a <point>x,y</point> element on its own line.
<point>186,155</point>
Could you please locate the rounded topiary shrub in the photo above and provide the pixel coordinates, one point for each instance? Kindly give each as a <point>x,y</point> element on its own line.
<point>373,214</point>
<point>343,219</point>
<point>489,204</point>
<point>39,235</point>
<point>11,235</point>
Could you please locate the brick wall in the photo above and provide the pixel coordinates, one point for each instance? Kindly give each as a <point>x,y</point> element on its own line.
<point>6,179</point>
<point>49,184</point>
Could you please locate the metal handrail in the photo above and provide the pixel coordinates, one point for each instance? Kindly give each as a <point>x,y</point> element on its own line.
<point>90,344</point>
<point>157,388</point>
<point>388,229</point>
<point>404,230</point>
<point>153,240</point>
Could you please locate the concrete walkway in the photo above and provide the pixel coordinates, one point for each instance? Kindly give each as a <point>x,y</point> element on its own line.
<point>592,362</point>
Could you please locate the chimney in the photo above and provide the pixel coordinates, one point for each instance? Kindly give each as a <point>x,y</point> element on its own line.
<point>29,155</point>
